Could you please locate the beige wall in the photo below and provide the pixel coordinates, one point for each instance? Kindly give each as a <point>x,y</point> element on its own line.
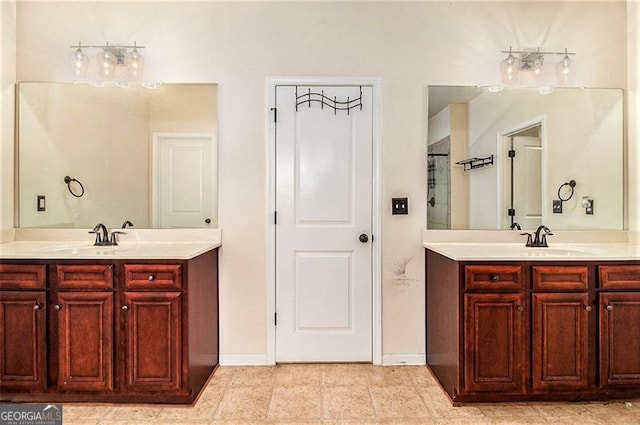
<point>409,45</point>
<point>7,80</point>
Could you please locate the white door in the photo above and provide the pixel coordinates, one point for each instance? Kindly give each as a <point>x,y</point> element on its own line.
<point>183,193</point>
<point>527,181</point>
<point>324,205</point>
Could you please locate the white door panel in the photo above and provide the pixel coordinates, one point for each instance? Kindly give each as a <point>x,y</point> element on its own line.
<point>323,199</point>
<point>527,181</point>
<point>183,180</point>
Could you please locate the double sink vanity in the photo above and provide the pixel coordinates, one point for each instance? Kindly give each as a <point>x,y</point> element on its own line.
<point>507,322</point>
<point>133,322</point>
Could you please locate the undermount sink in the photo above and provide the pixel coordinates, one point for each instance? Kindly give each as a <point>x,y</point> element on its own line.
<point>80,248</point>
<point>546,252</point>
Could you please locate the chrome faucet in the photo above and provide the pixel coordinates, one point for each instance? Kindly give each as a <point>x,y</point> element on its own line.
<point>540,238</point>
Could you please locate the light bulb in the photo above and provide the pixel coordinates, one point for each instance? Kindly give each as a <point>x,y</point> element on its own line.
<point>135,64</point>
<point>510,67</point>
<point>106,63</point>
<point>79,63</point>
<point>564,70</point>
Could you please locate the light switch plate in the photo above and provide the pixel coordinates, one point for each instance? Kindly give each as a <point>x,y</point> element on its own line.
<point>399,206</point>
<point>557,206</point>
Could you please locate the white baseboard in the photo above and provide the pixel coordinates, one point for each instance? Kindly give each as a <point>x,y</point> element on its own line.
<point>243,360</point>
<point>261,359</point>
<point>404,359</point>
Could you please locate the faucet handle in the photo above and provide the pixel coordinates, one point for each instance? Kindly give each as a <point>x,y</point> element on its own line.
<point>529,240</point>
<point>114,237</point>
<point>97,233</point>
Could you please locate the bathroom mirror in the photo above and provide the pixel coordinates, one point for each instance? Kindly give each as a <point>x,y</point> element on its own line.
<point>499,156</point>
<point>110,153</point>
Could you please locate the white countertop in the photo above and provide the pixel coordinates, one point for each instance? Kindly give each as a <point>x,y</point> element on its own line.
<point>173,244</point>
<point>564,245</point>
<point>518,252</point>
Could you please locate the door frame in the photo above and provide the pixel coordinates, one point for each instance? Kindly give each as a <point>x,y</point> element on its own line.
<point>154,174</point>
<point>502,165</point>
<point>376,209</point>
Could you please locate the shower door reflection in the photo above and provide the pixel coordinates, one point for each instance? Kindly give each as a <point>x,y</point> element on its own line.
<point>438,186</point>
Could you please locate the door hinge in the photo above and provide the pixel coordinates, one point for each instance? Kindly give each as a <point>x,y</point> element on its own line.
<point>372,238</point>
<point>275,114</point>
<point>512,153</point>
<point>275,217</point>
<point>275,319</point>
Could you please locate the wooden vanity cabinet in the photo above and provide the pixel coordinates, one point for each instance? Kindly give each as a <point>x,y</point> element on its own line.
<point>494,329</point>
<point>108,331</point>
<point>23,327</point>
<point>533,330</point>
<point>619,326</point>
<point>152,316</point>
<point>563,341</point>
<point>82,315</point>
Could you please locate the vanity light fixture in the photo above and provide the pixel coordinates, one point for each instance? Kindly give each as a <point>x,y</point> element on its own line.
<point>532,61</point>
<point>108,59</point>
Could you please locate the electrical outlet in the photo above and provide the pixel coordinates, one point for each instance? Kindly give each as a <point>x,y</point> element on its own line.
<point>42,203</point>
<point>557,206</point>
<point>589,208</point>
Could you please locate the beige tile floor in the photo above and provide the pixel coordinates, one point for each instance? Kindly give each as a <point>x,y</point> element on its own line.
<point>343,394</point>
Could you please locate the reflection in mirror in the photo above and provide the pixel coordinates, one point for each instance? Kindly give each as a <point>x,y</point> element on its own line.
<point>139,154</point>
<point>528,147</point>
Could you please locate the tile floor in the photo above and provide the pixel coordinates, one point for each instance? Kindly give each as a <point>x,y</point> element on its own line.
<point>343,394</point>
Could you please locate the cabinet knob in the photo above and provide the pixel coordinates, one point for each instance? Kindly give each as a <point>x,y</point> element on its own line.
<point>494,278</point>
<point>57,307</point>
<point>519,308</point>
<point>609,307</point>
<point>125,308</point>
<point>37,306</point>
<point>587,307</point>
<point>151,277</point>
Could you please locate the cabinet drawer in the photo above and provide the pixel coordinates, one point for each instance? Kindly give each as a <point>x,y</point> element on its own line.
<point>560,278</point>
<point>622,276</point>
<point>493,277</point>
<point>81,276</point>
<point>152,276</point>
<point>18,276</point>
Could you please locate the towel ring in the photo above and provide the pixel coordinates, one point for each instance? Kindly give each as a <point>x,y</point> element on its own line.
<point>572,185</point>
<point>68,180</point>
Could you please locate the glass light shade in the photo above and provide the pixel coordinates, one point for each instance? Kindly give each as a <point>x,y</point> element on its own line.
<point>564,70</point>
<point>537,67</point>
<point>135,64</point>
<point>79,63</point>
<point>509,68</point>
<point>106,64</point>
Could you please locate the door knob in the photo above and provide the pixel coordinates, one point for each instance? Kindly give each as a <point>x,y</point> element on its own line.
<point>207,220</point>
<point>364,238</point>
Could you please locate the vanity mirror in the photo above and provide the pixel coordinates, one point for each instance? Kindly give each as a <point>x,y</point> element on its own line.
<point>525,147</point>
<point>88,154</point>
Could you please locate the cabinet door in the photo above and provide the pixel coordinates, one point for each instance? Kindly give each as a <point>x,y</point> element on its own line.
<point>495,344</point>
<point>619,339</point>
<point>22,340</point>
<point>153,340</point>
<point>85,341</point>
<point>561,341</point>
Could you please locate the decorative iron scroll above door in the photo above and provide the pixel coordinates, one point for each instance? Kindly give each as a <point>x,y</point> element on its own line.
<point>313,97</point>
